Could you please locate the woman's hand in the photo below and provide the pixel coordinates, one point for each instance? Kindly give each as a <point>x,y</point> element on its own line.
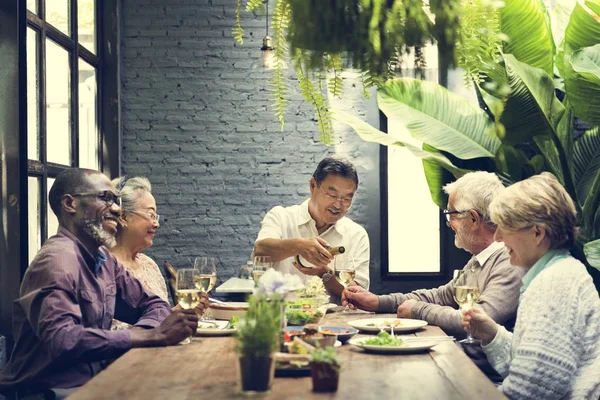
<point>476,322</point>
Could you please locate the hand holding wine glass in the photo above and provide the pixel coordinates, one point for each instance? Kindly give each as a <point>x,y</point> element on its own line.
<point>205,277</point>
<point>466,297</point>
<point>188,295</point>
<point>344,271</point>
<point>478,324</point>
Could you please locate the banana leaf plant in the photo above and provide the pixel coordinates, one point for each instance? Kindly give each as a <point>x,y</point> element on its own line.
<point>534,91</point>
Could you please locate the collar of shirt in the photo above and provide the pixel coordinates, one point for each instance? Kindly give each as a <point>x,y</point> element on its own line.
<point>304,217</point>
<point>483,255</point>
<point>94,262</point>
<point>547,260</point>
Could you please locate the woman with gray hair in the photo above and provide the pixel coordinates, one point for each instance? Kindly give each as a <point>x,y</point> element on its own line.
<point>554,352</point>
<point>135,233</point>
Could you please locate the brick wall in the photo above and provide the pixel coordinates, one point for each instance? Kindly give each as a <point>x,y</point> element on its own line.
<point>197,120</point>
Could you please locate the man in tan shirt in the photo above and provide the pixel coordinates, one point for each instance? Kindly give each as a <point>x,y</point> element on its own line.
<point>489,269</point>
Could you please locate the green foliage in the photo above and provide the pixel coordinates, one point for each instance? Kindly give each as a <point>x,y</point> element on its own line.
<point>529,125</point>
<point>258,332</point>
<point>326,355</point>
<point>238,31</point>
<point>370,35</point>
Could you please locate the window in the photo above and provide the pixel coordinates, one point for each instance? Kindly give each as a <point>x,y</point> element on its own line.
<point>63,112</point>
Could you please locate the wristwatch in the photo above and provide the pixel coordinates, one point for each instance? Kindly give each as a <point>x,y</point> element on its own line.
<point>326,277</point>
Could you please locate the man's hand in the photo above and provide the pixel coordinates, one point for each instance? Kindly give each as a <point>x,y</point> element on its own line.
<point>476,322</point>
<point>312,271</point>
<point>313,251</point>
<point>405,309</point>
<point>199,308</point>
<point>176,327</point>
<point>356,297</point>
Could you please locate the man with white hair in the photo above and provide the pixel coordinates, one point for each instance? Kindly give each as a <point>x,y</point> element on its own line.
<point>489,269</point>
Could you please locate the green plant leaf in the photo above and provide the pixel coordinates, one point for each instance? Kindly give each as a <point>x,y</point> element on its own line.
<point>531,108</point>
<point>582,82</point>
<point>511,161</point>
<point>525,22</point>
<point>439,118</point>
<point>583,29</point>
<point>592,253</point>
<point>586,157</point>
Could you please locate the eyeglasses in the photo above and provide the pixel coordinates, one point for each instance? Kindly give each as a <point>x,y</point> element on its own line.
<point>154,217</point>
<point>447,213</point>
<point>346,201</point>
<point>106,196</point>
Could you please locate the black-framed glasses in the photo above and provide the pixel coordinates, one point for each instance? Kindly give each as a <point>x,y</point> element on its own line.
<point>106,196</point>
<point>346,201</point>
<point>448,213</point>
<point>154,217</point>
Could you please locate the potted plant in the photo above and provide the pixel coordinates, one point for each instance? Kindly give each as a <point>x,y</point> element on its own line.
<point>258,332</point>
<point>325,369</point>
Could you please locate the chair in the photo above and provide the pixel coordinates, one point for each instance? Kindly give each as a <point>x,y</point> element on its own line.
<point>171,276</point>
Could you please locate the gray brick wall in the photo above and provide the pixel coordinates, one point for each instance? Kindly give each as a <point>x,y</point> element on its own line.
<point>197,120</point>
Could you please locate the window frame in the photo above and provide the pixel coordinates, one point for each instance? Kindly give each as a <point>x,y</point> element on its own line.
<point>42,169</point>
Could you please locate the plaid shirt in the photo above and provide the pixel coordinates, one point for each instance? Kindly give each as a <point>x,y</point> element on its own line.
<point>62,318</point>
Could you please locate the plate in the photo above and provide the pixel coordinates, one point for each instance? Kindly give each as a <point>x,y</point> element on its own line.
<point>375,324</point>
<point>343,333</point>
<point>204,328</point>
<point>406,348</point>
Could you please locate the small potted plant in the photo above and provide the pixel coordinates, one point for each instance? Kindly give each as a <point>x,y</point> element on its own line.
<point>325,369</point>
<point>258,332</point>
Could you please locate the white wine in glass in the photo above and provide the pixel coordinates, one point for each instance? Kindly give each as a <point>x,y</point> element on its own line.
<point>261,265</point>
<point>206,275</point>
<point>188,296</point>
<point>466,297</point>
<point>345,276</point>
<point>344,271</point>
<point>205,282</point>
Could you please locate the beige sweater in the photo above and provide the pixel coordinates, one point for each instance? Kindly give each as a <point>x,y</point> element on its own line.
<point>497,280</point>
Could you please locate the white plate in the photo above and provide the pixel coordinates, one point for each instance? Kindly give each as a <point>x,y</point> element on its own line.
<point>375,324</point>
<point>405,347</point>
<point>336,344</point>
<point>204,329</point>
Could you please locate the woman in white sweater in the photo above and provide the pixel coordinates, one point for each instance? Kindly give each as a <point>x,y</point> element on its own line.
<point>554,352</point>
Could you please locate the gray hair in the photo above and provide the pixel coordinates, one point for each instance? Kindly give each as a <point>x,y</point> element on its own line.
<point>131,189</point>
<point>475,191</point>
<point>540,200</point>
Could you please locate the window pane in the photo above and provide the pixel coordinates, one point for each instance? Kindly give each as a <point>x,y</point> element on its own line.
<point>32,6</point>
<point>35,223</point>
<point>57,14</point>
<point>86,22</point>
<point>88,130</point>
<point>58,113</point>
<point>52,220</point>
<point>33,148</point>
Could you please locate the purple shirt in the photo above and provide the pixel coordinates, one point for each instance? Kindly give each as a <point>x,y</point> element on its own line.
<point>62,318</point>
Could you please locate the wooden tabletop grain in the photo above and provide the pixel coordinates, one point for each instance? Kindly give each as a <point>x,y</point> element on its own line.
<point>208,369</point>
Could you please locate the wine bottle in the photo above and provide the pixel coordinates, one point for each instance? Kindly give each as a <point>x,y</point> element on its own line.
<point>334,250</point>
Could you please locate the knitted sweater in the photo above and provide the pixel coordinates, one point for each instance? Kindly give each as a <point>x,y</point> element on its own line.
<point>554,352</point>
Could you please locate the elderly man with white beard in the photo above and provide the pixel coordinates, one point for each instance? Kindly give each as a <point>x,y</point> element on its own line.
<point>489,269</point>
<point>72,290</point>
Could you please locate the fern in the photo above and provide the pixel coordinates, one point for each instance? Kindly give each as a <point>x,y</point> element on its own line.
<point>253,5</point>
<point>335,84</point>
<point>281,20</point>
<point>313,94</point>
<point>367,82</point>
<point>238,31</point>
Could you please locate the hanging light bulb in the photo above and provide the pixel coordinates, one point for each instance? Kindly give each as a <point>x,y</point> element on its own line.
<point>267,44</point>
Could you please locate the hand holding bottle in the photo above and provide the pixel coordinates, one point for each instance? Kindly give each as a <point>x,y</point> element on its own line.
<point>314,251</point>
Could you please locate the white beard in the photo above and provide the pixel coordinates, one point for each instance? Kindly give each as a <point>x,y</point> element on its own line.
<point>95,229</point>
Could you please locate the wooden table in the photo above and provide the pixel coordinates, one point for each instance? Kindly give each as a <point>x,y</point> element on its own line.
<point>208,369</point>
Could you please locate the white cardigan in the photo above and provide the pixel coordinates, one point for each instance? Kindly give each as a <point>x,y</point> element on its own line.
<point>554,352</point>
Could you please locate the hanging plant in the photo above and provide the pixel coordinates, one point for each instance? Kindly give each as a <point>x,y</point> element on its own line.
<point>325,37</point>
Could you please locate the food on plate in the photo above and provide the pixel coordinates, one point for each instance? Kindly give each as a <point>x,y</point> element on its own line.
<point>387,324</point>
<point>301,317</point>
<point>337,332</point>
<point>383,339</point>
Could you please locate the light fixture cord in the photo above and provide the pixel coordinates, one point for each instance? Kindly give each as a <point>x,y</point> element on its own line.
<point>267,23</point>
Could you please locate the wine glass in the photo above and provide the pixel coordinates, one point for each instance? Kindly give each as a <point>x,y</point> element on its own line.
<point>344,271</point>
<point>466,297</point>
<point>206,276</point>
<point>188,295</point>
<point>261,265</point>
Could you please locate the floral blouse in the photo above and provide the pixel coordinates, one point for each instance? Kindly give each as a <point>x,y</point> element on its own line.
<point>151,278</point>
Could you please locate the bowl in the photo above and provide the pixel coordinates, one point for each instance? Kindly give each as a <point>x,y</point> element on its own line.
<point>232,309</point>
<point>322,341</point>
<point>343,333</point>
